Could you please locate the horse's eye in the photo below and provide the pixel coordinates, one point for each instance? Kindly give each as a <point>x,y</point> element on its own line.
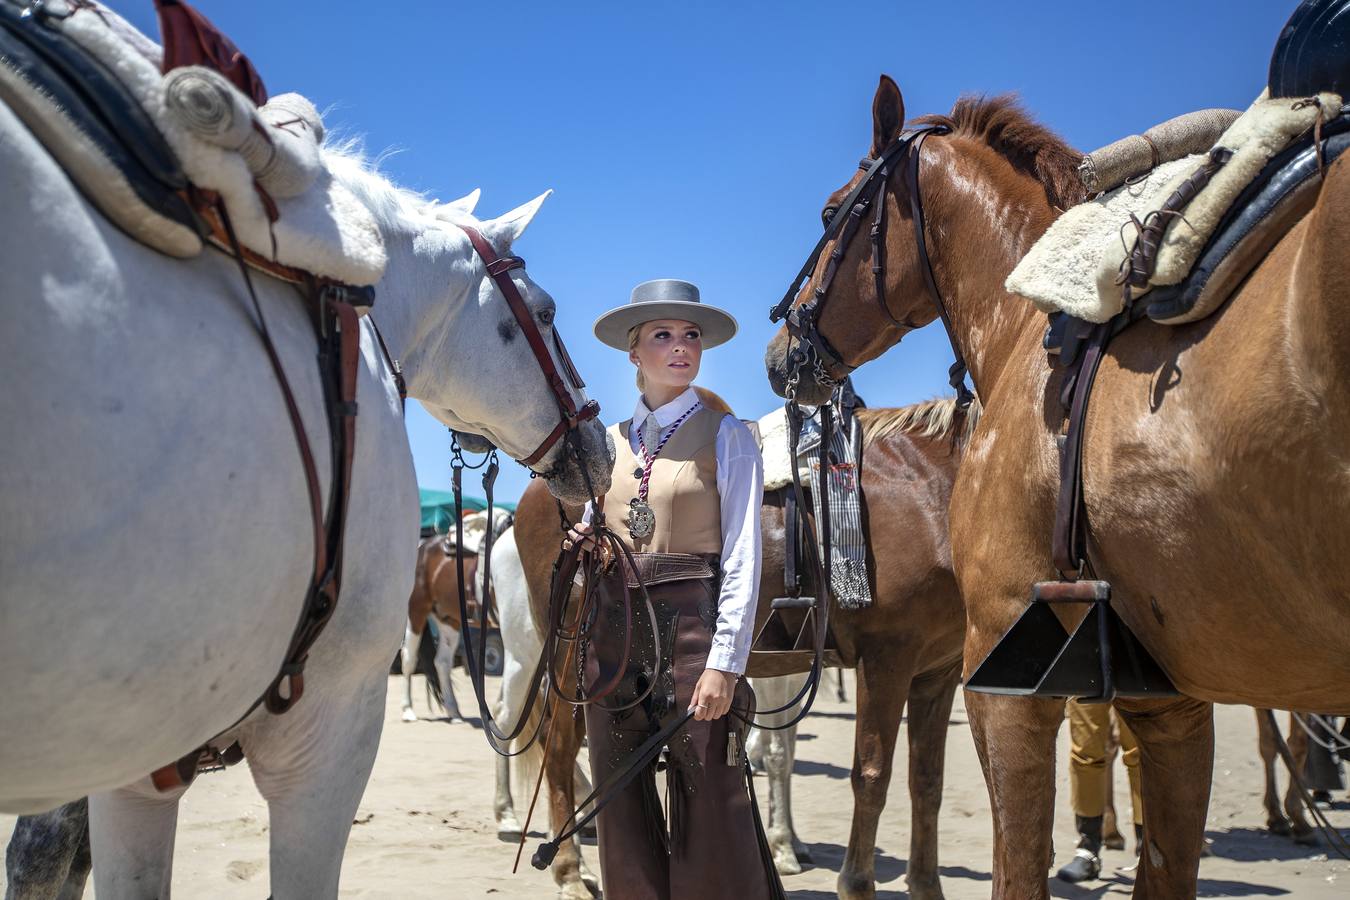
<point>827,214</point>
<point>546,316</point>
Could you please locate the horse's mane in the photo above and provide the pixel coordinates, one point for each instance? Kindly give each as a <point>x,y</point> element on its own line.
<point>1032,148</point>
<point>394,207</point>
<point>931,418</point>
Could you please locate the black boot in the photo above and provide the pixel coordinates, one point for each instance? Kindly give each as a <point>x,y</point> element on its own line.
<point>1087,862</point>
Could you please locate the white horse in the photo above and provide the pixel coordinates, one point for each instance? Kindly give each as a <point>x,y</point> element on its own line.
<point>155,541</point>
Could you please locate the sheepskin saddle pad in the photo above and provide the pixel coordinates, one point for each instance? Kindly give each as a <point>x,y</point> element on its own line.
<point>1264,169</point>
<point>772,433</point>
<point>151,148</point>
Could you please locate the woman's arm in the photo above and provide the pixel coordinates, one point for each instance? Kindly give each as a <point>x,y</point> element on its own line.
<point>740,482</point>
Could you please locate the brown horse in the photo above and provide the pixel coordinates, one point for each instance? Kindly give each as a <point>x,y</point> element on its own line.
<point>906,647</point>
<point>1215,463</point>
<point>436,593</point>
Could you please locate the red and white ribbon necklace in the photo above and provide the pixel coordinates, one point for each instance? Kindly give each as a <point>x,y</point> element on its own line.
<point>649,459</point>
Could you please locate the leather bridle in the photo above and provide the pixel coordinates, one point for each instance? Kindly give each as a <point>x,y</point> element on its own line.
<point>803,322</point>
<point>499,269</point>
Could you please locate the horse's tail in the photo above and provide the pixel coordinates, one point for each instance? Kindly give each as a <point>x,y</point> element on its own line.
<point>426,660</point>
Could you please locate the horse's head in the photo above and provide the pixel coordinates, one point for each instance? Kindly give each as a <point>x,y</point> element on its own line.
<point>831,328</point>
<point>522,388</point>
<point>480,362</point>
<point>895,257</point>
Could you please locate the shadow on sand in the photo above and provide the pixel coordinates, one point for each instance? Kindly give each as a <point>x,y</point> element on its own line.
<point>888,869</point>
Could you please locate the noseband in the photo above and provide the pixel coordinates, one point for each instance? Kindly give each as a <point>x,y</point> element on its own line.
<point>803,322</point>
<point>499,269</point>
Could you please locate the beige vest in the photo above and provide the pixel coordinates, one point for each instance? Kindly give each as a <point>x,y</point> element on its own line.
<point>682,492</point>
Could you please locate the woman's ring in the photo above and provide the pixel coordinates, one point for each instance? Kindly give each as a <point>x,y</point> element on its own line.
<point>701,705</point>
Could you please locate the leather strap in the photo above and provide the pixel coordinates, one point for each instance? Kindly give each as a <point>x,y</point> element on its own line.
<point>499,268</point>
<point>957,373</point>
<point>1069,546</point>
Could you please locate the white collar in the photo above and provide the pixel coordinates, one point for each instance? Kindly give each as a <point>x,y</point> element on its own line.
<point>666,415</point>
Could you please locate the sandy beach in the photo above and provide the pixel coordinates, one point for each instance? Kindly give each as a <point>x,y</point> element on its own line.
<point>425,827</point>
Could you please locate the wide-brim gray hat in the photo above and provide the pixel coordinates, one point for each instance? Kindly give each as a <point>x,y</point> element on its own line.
<point>665,298</point>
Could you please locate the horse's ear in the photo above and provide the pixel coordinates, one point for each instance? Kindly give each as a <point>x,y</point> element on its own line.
<point>506,230</point>
<point>466,203</point>
<point>888,115</point>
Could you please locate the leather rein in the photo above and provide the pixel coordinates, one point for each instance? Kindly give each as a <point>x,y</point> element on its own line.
<point>803,321</point>
<point>499,269</point>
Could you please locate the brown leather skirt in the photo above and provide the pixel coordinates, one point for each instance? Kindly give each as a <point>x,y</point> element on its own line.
<point>707,842</point>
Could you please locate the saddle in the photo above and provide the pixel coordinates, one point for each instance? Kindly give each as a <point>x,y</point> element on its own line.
<point>177,158</point>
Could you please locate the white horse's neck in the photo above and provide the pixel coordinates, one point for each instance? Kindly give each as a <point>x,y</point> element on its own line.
<point>432,275</point>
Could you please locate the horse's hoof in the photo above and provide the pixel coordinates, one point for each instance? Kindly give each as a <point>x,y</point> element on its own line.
<point>409,715</point>
<point>1307,838</point>
<point>576,890</point>
<point>455,719</point>
<point>787,864</point>
<point>591,880</point>
<point>1280,827</point>
<point>1114,842</point>
<point>802,853</point>
<point>510,834</point>
<point>852,887</point>
<point>926,892</point>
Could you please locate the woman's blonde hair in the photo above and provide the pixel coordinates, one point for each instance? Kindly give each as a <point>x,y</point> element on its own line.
<point>705,396</point>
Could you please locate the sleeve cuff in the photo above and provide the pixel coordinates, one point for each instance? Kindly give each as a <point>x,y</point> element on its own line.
<point>723,660</point>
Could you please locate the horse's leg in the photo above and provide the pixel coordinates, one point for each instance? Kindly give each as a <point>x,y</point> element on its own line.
<point>503,805</point>
<point>1015,741</point>
<point>1265,738</point>
<point>1176,742</point>
<point>1303,833</point>
<point>48,854</point>
<point>884,676</point>
<point>311,766</point>
<point>930,710</point>
<point>409,656</point>
<point>559,764</point>
<point>755,741</point>
<point>445,667</point>
<point>779,755</point>
<point>131,834</point>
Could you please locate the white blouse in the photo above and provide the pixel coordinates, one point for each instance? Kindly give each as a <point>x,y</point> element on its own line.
<point>740,482</point>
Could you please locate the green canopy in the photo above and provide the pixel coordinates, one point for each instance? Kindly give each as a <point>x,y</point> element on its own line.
<point>438,508</point>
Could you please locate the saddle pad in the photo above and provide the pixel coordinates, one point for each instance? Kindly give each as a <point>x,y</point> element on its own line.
<point>1060,272</point>
<point>324,229</point>
<point>1254,139</point>
<point>1262,215</point>
<point>773,446</point>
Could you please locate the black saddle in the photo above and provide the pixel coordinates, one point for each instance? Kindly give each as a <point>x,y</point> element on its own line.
<point>95,100</point>
<point>1312,53</point>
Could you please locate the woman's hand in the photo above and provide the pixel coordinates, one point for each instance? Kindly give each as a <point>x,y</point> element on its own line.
<point>712,694</point>
<point>581,534</point>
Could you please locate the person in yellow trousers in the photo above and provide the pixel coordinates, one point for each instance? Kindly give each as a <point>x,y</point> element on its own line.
<point>1089,729</point>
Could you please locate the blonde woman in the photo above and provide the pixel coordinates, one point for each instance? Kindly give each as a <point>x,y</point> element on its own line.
<point>685,498</point>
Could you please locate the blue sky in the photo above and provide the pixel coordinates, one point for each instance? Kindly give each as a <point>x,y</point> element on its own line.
<point>698,140</point>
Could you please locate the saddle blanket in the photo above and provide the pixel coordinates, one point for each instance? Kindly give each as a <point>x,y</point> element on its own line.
<point>224,144</point>
<point>1075,266</point>
<point>842,488</point>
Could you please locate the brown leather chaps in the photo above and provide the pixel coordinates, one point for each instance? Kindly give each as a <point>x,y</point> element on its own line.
<point>706,844</point>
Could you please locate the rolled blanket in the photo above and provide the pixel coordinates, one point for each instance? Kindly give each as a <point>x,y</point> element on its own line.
<point>279,142</point>
<point>1194,132</point>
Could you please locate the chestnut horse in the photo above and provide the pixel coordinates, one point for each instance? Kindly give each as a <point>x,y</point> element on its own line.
<point>906,647</point>
<point>1214,468</point>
